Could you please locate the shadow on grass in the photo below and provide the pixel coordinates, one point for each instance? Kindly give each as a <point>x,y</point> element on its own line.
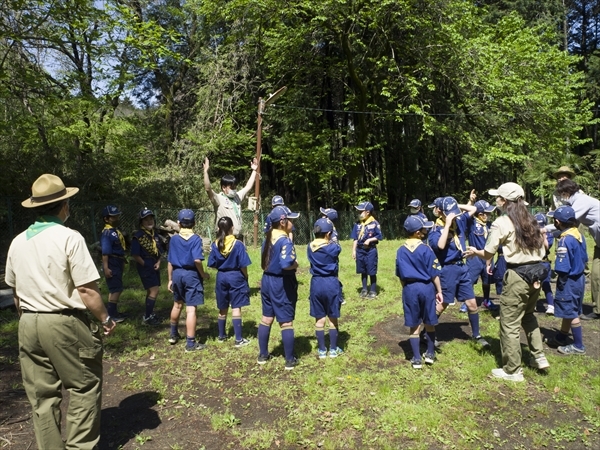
<point>121,424</point>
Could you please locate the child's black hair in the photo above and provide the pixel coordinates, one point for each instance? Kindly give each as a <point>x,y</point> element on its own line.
<point>571,223</point>
<point>187,223</point>
<point>228,180</point>
<point>320,234</point>
<point>224,225</point>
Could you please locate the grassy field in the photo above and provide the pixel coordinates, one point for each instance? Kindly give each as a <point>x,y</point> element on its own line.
<point>158,396</point>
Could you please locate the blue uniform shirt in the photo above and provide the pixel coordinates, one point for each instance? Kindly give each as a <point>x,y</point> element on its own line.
<point>550,238</point>
<point>283,254</point>
<point>477,232</point>
<point>456,243</point>
<point>323,258</point>
<point>571,253</point>
<point>183,252</point>
<point>415,261</point>
<point>146,245</point>
<point>111,243</point>
<point>363,231</point>
<point>236,258</point>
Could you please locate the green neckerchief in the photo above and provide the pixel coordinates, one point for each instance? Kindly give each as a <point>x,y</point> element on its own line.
<point>236,208</point>
<point>42,223</point>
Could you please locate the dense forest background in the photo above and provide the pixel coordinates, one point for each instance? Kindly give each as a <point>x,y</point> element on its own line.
<point>387,100</point>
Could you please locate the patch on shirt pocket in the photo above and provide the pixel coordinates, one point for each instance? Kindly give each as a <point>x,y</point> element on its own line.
<point>90,352</point>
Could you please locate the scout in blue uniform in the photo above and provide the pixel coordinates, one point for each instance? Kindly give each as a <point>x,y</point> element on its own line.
<point>571,257</point>
<point>448,241</point>
<point>477,232</point>
<point>418,270</point>
<point>549,241</point>
<point>279,290</point>
<point>277,200</point>
<point>186,278</point>
<point>146,251</point>
<point>366,234</point>
<point>332,215</point>
<point>325,292</point>
<point>416,209</point>
<point>113,246</point>
<point>230,258</point>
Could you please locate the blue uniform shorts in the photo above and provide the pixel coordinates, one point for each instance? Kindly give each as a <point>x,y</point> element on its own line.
<point>231,289</point>
<point>279,295</point>
<point>187,287</point>
<point>568,299</point>
<point>366,260</point>
<point>325,295</point>
<point>456,283</point>
<point>115,283</point>
<point>418,300</point>
<point>149,276</point>
<point>477,269</point>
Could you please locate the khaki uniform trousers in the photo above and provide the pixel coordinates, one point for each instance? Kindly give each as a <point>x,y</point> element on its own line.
<point>517,304</point>
<point>56,350</point>
<point>595,279</point>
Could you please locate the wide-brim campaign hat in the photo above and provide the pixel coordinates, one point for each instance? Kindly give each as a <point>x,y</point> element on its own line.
<point>48,189</point>
<point>564,169</point>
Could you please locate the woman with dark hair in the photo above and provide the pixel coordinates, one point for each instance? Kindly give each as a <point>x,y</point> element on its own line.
<point>518,233</point>
<point>230,258</point>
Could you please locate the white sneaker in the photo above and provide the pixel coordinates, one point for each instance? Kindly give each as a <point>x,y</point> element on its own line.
<point>500,373</point>
<point>550,310</point>
<point>540,363</point>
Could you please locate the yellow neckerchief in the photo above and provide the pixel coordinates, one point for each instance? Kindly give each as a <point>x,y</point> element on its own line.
<point>119,234</point>
<point>148,242</point>
<point>186,233</point>
<point>318,243</point>
<point>572,232</point>
<point>412,243</point>
<point>442,223</point>
<point>363,226</point>
<point>228,243</point>
<point>276,235</point>
<point>484,225</point>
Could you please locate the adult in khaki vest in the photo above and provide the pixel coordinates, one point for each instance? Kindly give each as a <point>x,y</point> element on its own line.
<point>54,283</point>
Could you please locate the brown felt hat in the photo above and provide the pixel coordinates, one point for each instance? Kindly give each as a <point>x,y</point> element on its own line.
<point>48,189</point>
<point>565,170</point>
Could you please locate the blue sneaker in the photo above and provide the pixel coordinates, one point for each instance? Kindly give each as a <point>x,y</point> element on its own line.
<point>322,354</point>
<point>335,352</point>
<point>489,305</point>
<point>463,308</point>
<point>571,350</point>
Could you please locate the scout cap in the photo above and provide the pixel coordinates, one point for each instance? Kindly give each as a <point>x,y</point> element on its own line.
<point>413,224</point>
<point>323,225</point>
<point>449,205</point>
<point>110,210</point>
<point>484,207</point>
<point>330,213</point>
<point>48,189</point>
<point>564,214</point>
<point>277,201</point>
<point>365,206</point>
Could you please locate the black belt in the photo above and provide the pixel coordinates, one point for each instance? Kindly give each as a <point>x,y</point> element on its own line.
<point>64,312</point>
<point>515,266</point>
<point>460,262</point>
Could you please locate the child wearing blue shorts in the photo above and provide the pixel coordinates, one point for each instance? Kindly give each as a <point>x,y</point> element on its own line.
<point>113,247</point>
<point>229,256</point>
<point>418,270</point>
<point>448,241</point>
<point>366,234</point>
<point>186,278</point>
<point>548,241</point>
<point>146,251</point>
<point>325,291</point>
<point>478,229</point>
<point>571,257</point>
<point>332,215</point>
<point>279,291</point>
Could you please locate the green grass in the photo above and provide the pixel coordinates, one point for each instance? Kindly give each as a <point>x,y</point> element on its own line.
<point>368,398</point>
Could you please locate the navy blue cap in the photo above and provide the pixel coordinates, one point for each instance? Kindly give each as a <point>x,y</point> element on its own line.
<point>437,203</point>
<point>415,223</point>
<point>282,212</point>
<point>365,206</point>
<point>541,219</point>
<point>484,207</point>
<point>186,215</point>
<point>564,214</point>
<point>323,225</point>
<point>415,203</point>
<point>110,210</point>
<point>277,201</point>
<point>145,213</point>
<point>450,205</point>
<point>330,213</point>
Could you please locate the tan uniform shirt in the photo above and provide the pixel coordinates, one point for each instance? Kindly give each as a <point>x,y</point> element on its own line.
<point>502,233</point>
<point>229,207</point>
<point>46,269</point>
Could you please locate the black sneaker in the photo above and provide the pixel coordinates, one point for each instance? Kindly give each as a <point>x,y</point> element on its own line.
<point>291,363</point>
<point>364,293</point>
<point>241,343</point>
<point>416,363</point>
<point>262,359</point>
<point>118,318</point>
<point>152,320</point>
<point>222,339</point>
<point>481,341</point>
<point>195,347</point>
<point>174,338</point>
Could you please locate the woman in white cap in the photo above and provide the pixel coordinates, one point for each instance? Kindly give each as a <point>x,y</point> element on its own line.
<point>523,244</point>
